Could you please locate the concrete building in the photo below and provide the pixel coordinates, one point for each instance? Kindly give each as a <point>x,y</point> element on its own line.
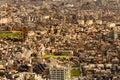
<point>59,73</point>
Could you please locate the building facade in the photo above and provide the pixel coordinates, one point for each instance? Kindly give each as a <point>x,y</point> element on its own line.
<point>59,74</point>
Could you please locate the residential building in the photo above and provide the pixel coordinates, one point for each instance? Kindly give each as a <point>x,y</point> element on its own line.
<point>59,73</point>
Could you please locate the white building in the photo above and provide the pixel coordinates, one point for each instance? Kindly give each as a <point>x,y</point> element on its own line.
<point>59,73</point>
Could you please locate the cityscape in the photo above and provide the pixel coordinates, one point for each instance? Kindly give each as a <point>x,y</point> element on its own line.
<point>59,39</point>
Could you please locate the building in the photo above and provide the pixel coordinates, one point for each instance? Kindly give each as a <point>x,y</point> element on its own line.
<point>102,2</point>
<point>113,4</point>
<point>114,34</point>
<point>59,73</point>
<point>26,76</point>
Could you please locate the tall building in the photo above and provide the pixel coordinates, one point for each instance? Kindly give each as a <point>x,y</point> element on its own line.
<point>59,73</point>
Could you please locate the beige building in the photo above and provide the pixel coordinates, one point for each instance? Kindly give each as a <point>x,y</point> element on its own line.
<point>59,73</point>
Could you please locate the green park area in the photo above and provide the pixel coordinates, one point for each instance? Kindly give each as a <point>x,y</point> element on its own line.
<point>9,34</point>
<point>75,72</point>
